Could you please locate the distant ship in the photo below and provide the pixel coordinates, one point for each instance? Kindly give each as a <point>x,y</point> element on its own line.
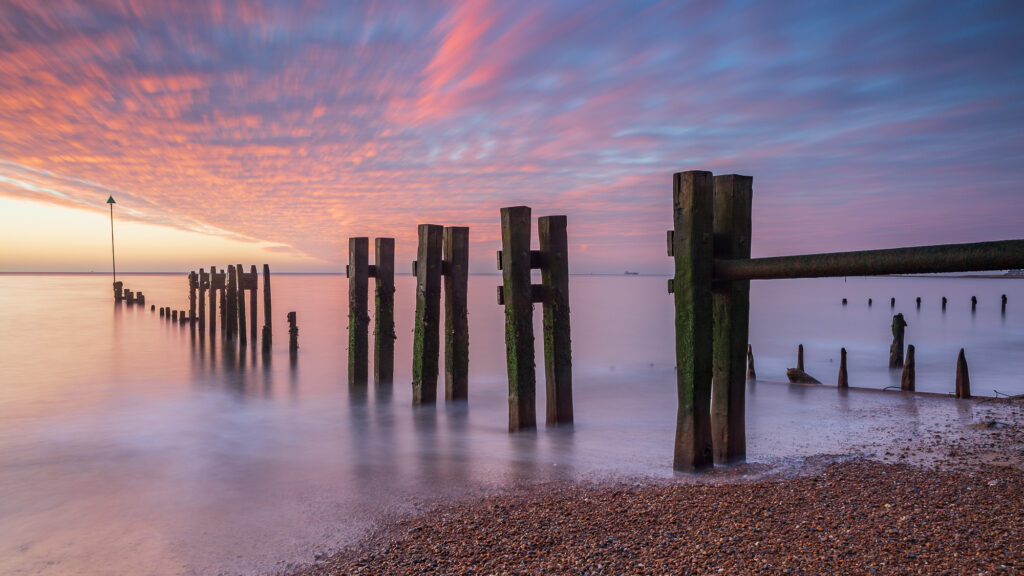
<point>628,273</point>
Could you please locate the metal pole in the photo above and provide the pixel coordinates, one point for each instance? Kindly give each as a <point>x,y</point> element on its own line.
<point>113,263</point>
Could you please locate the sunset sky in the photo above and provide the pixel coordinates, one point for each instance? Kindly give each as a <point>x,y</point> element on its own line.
<point>272,131</point>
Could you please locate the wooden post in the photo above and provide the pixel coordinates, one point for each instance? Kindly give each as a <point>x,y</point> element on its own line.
<point>918,302</point>
<point>974,303</point>
<point>384,317</point>
<point>869,302</point>
<point>214,285</point>
<point>1003,310</point>
<point>240,302</point>
<point>693,195</point>
<point>268,331</point>
<point>174,315</point>
<point>193,289</point>
<point>358,317</point>
<point>231,303</point>
<point>844,381</point>
<point>204,285</point>
<point>554,267</point>
<point>732,201</point>
<point>892,303</point>
<point>426,346</point>
<point>253,283</point>
<point>456,320</point>
<point>907,381</point>
<point>800,358</point>
<point>751,373</point>
<point>844,301</point>
<point>224,309</point>
<point>293,333</point>
<point>963,379</point>
<point>118,292</point>
<point>517,294</point>
<point>943,303</point>
<point>896,349</point>
<point>161,312</point>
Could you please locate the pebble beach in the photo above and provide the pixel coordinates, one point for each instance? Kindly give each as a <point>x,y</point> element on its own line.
<point>949,500</point>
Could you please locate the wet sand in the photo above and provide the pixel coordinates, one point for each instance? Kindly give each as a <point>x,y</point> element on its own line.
<point>946,499</point>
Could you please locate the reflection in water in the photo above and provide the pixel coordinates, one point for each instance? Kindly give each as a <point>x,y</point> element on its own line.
<point>179,451</point>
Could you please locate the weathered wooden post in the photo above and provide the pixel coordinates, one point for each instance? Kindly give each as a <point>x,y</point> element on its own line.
<point>181,316</point>
<point>118,291</point>
<point>268,331</point>
<point>869,302</point>
<point>554,266</point>
<point>974,304</point>
<point>844,301</point>
<point>844,380</point>
<point>204,285</point>
<point>732,204</point>
<point>455,269</point>
<point>751,373</point>
<point>193,289</point>
<point>516,293</point>
<point>800,357</point>
<point>892,303</point>
<point>252,282</point>
<point>943,303</point>
<point>1003,309</point>
<point>426,346</point>
<point>240,286</point>
<point>907,380</point>
<point>161,312</point>
<point>231,303</point>
<point>384,316</point>
<point>692,246</point>
<point>918,302</point>
<point>140,298</point>
<point>358,317</point>
<point>963,379</point>
<point>896,349</point>
<point>224,309</point>
<point>293,333</point>
<point>174,315</point>
<point>216,283</point>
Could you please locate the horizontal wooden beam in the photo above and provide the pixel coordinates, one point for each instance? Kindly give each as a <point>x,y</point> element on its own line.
<point>536,259</point>
<point>976,257</point>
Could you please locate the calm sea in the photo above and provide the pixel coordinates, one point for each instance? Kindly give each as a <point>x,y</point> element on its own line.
<point>129,447</point>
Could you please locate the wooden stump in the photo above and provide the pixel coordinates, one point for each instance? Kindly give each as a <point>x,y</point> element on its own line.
<point>844,380</point>
<point>517,294</point>
<point>456,319</point>
<point>426,347</point>
<point>963,379</point>
<point>751,373</point>
<point>907,382</point>
<point>899,326</point>
<point>731,299</point>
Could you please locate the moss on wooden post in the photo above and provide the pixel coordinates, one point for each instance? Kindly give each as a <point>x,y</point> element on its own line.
<point>693,194</point>
<point>384,315</point>
<point>426,335</point>
<point>358,317</point>
<point>554,266</point>
<point>518,301</point>
<point>732,203</point>
<point>456,320</point>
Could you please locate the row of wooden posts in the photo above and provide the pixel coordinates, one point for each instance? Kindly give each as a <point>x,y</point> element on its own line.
<point>122,294</point>
<point>443,254</point>
<point>974,303</point>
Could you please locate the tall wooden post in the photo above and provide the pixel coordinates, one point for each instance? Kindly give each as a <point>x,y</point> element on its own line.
<point>193,289</point>
<point>899,325</point>
<point>963,379</point>
<point>456,321</point>
<point>732,206</point>
<point>253,282</point>
<point>358,317</point>
<point>800,357</point>
<point>231,303</point>
<point>293,333</point>
<point>844,380</point>
<point>907,381</point>
<point>693,194</point>
<point>268,331</point>
<point>224,309</point>
<point>554,267</point>
<point>384,317</point>
<point>240,286</point>
<point>426,346</point>
<point>517,294</point>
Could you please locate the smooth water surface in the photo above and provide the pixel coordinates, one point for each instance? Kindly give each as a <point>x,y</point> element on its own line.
<point>130,445</point>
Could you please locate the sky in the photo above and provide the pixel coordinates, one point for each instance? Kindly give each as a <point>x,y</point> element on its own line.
<point>272,131</point>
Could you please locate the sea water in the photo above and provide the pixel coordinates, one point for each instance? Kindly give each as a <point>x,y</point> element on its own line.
<point>130,444</point>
